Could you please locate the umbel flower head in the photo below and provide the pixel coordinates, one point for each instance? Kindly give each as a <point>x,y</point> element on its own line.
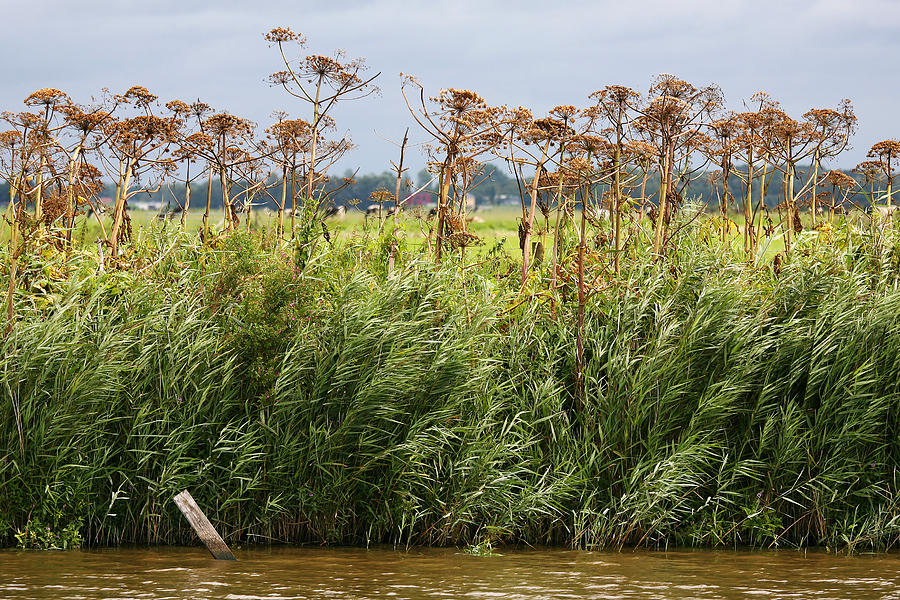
<point>281,35</point>
<point>47,97</point>
<point>887,151</point>
<point>871,170</point>
<point>381,195</point>
<point>84,121</point>
<point>224,124</point>
<point>839,179</point>
<point>178,107</point>
<point>138,96</point>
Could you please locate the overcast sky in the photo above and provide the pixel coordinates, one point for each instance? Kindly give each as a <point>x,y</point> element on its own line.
<point>538,54</point>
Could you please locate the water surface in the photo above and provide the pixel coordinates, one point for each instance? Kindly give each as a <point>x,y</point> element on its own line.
<point>353,574</point>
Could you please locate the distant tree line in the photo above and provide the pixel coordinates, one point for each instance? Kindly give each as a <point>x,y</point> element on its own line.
<point>497,187</point>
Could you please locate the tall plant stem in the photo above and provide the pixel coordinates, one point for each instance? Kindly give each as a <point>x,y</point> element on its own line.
<point>789,201</point>
<point>442,206</point>
<point>187,197</point>
<point>582,301</point>
<point>70,195</point>
<point>664,182</point>
<point>560,207</point>
<point>293,201</point>
<point>125,173</point>
<point>226,201</point>
<point>761,205</point>
<point>617,199</point>
<point>726,172</point>
<point>13,260</point>
<point>748,207</point>
<point>815,183</point>
<point>208,205</point>
<point>397,202</point>
<point>39,192</point>
<point>526,248</point>
<point>283,201</point>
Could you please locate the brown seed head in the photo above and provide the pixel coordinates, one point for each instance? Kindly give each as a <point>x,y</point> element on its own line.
<point>139,96</point>
<point>280,35</point>
<point>381,195</point>
<point>870,169</point>
<point>840,179</point>
<point>47,97</point>
<point>81,120</point>
<point>564,112</point>
<point>885,150</point>
<point>178,107</point>
<point>199,109</point>
<point>224,124</point>
<point>10,139</point>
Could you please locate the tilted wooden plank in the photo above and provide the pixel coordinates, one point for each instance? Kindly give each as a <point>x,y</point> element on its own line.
<point>202,527</point>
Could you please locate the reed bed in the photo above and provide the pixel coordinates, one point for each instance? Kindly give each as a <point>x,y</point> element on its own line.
<point>315,398</point>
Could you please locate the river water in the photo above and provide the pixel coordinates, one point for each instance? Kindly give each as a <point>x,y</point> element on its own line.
<point>352,574</point>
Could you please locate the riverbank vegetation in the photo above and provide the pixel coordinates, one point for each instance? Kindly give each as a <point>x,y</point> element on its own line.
<point>317,399</point>
<point>622,368</point>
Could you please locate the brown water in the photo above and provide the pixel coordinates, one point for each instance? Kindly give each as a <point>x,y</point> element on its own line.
<point>353,574</point>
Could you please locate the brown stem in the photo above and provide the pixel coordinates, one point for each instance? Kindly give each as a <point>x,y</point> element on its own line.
<point>208,205</point>
<point>187,198</point>
<point>560,207</point>
<point>397,203</point>
<point>582,300</point>
<point>442,206</point>
<point>13,261</point>
<point>528,227</point>
<point>120,208</point>
<point>617,199</point>
<point>283,201</point>
<point>664,181</point>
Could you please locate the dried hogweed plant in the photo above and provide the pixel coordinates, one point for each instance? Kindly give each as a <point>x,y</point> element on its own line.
<point>464,127</point>
<point>673,121</point>
<point>322,82</point>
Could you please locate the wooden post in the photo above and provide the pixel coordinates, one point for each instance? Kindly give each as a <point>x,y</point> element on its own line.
<point>202,527</point>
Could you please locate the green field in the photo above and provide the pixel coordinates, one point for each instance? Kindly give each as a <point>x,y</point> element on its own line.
<point>494,225</point>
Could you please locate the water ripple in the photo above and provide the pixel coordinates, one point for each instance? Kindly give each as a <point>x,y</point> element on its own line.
<point>355,574</point>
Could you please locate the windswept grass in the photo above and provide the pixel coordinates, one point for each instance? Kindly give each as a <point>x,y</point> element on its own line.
<point>316,399</point>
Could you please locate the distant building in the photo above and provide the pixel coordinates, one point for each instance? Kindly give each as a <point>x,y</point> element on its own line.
<point>144,205</point>
<point>420,199</point>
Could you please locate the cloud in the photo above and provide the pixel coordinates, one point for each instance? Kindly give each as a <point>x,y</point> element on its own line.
<point>533,53</point>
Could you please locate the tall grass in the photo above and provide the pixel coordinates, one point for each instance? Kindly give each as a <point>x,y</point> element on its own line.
<point>315,399</point>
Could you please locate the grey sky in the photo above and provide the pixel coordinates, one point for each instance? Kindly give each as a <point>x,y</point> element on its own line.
<point>808,53</point>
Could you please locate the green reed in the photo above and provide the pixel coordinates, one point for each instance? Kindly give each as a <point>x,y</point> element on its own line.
<point>311,398</point>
